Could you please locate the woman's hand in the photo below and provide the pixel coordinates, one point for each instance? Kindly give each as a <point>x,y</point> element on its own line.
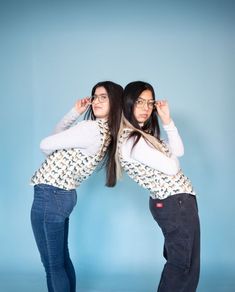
<point>163,111</point>
<point>82,104</point>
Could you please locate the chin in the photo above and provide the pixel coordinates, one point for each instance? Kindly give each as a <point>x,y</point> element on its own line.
<point>100,116</point>
<point>142,121</point>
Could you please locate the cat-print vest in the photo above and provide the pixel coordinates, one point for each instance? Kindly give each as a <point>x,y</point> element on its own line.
<point>159,184</point>
<point>68,168</point>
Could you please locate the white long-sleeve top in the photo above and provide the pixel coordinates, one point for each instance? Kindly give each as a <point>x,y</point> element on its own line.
<point>85,135</point>
<point>144,153</point>
<point>73,152</point>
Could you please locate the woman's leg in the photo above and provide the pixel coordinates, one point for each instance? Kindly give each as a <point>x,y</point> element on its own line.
<point>194,272</point>
<point>50,209</point>
<point>178,218</point>
<point>37,220</point>
<point>68,263</point>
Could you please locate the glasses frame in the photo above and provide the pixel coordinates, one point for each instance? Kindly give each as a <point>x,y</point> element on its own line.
<point>144,102</point>
<point>101,98</point>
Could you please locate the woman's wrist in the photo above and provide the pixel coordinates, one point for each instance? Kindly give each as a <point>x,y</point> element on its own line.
<point>166,121</point>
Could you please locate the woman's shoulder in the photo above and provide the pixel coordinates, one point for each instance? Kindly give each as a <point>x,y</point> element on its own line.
<point>93,122</point>
<point>99,125</point>
<point>90,126</point>
<point>125,132</point>
<point>124,136</point>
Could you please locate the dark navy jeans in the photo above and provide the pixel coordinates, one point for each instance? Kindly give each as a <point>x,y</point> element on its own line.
<point>178,219</point>
<point>50,222</point>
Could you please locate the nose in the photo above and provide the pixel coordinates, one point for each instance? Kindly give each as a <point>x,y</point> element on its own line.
<point>145,107</point>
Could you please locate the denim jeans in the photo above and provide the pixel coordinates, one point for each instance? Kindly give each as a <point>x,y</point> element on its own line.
<point>178,219</point>
<point>50,222</point>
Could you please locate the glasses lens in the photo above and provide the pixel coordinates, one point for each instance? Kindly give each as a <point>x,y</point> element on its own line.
<point>141,103</point>
<point>101,98</point>
<point>151,104</point>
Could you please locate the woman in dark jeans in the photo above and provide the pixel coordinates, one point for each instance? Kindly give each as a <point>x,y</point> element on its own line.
<point>154,165</point>
<point>73,153</point>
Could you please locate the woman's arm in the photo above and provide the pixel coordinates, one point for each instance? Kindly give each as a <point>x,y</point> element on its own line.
<point>84,135</point>
<point>174,141</point>
<point>67,121</point>
<point>71,117</point>
<point>146,154</point>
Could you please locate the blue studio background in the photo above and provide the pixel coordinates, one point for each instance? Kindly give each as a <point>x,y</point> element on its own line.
<point>53,52</point>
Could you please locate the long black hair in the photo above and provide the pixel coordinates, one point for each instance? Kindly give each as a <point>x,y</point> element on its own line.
<point>131,93</point>
<point>115,92</point>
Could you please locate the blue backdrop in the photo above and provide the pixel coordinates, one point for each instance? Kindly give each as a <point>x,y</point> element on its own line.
<point>53,52</point>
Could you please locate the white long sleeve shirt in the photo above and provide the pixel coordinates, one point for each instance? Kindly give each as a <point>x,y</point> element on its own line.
<point>73,152</point>
<point>144,153</point>
<point>85,135</point>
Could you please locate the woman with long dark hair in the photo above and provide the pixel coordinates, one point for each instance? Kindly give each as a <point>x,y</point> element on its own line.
<point>154,165</point>
<point>73,153</point>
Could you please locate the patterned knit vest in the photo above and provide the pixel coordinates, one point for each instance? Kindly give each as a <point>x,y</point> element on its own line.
<point>159,184</point>
<point>67,168</point>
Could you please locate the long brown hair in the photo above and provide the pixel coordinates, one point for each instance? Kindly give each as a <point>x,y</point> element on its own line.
<point>115,92</point>
<point>131,93</point>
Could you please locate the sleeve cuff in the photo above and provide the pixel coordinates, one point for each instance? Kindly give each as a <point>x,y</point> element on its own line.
<point>169,127</point>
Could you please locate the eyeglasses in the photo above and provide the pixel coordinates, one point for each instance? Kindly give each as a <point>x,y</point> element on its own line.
<point>101,98</point>
<point>140,103</point>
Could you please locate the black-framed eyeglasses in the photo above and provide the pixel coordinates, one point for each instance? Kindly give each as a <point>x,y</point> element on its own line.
<point>140,103</point>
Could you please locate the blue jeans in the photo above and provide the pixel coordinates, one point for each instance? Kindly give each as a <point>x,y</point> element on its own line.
<point>178,218</point>
<point>50,222</point>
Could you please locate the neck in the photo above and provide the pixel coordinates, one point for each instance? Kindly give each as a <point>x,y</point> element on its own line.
<point>102,119</point>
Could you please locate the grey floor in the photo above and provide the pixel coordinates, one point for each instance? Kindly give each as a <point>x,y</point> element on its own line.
<point>35,282</point>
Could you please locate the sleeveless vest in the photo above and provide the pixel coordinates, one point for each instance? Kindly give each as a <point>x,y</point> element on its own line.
<point>159,184</point>
<point>68,168</point>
